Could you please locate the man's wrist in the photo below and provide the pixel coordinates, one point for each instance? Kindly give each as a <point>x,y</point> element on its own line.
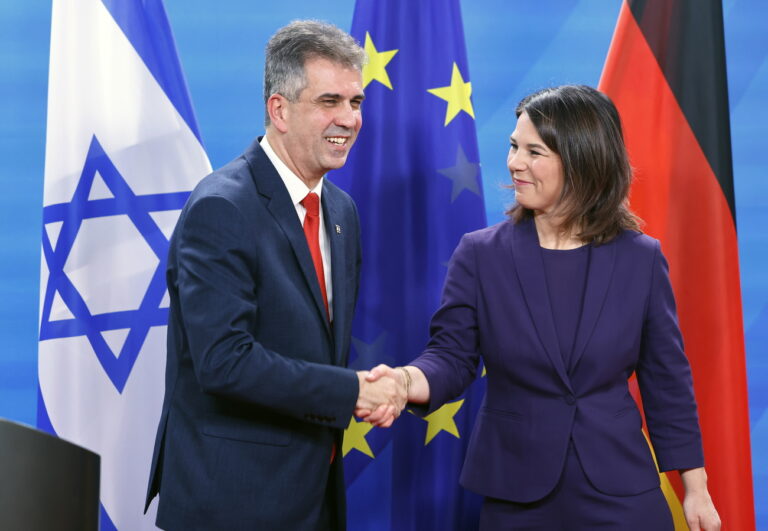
<point>361,376</point>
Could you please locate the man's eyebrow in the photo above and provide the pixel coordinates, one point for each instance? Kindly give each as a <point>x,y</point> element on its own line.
<point>339,96</point>
<point>336,96</point>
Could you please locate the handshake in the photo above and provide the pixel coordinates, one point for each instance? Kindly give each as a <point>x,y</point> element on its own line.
<point>384,392</point>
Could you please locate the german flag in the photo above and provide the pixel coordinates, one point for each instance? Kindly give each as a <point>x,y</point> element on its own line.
<point>665,71</point>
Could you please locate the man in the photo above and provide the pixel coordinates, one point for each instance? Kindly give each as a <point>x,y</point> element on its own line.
<point>263,277</point>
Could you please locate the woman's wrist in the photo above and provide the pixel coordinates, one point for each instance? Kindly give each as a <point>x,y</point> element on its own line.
<point>418,390</point>
<point>407,380</point>
<point>694,480</point>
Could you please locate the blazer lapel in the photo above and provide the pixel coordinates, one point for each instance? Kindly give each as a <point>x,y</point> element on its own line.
<point>270,185</point>
<point>338,269</point>
<point>599,275</point>
<point>526,255</point>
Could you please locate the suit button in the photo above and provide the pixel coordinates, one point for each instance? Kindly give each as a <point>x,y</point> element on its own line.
<point>570,399</point>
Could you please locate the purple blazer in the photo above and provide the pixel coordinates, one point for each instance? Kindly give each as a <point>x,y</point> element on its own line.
<point>495,305</point>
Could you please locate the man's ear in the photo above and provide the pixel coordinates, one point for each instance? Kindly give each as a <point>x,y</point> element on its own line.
<point>277,107</point>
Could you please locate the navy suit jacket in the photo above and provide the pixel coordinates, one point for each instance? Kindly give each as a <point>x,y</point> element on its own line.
<point>256,393</point>
<point>495,305</point>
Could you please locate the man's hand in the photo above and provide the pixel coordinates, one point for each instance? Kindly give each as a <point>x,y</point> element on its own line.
<point>381,398</point>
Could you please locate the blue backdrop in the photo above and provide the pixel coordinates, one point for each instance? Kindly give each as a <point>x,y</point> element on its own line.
<point>513,48</point>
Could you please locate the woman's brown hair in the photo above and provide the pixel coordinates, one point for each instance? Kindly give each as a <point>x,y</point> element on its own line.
<point>583,127</point>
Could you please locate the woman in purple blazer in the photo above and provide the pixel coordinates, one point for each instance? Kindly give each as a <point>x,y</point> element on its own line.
<point>564,301</point>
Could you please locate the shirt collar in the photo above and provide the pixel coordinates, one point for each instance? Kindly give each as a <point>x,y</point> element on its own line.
<point>296,187</point>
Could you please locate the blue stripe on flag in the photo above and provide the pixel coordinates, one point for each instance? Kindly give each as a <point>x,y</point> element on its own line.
<point>105,522</point>
<point>43,420</point>
<point>145,24</point>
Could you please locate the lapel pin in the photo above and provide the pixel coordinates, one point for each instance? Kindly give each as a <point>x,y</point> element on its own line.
<point>338,229</point>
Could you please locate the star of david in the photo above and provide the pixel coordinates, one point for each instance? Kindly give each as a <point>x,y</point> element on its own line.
<point>72,215</point>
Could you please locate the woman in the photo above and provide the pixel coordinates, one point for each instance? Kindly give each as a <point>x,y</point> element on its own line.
<point>564,301</point>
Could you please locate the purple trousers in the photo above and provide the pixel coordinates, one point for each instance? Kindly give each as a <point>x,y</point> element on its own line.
<point>575,505</point>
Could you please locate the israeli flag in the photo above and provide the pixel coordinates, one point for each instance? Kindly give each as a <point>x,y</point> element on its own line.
<point>122,154</point>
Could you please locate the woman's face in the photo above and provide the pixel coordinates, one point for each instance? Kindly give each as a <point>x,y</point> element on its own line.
<point>537,171</point>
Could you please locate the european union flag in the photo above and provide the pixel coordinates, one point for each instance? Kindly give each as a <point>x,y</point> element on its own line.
<point>415,176</point>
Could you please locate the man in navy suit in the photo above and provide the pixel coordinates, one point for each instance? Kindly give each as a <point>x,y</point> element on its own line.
<point>263,276</point>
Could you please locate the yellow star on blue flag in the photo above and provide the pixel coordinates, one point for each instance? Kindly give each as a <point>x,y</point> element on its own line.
<point>354,438</point>
<point>457,94</point>
<point>442,420</point>
<point>376,67</point>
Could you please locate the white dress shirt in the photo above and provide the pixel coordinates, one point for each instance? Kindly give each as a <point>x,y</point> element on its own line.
<point>298,190</point>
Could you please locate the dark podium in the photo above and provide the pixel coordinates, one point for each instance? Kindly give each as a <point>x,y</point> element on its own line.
<point>46,483</point>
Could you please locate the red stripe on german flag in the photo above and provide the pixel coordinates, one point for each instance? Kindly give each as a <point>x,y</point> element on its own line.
<point>683,190</point>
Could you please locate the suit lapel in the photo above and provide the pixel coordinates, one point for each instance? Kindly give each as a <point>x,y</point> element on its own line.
<point>529,264</point>
<point>338,268</point>
<point>279,204</point>
<point>599,275</point>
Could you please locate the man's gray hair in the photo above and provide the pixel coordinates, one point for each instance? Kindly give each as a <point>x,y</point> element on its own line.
<point>289,49</point>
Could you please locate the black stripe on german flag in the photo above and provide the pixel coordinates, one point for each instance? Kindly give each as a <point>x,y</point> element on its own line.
<point>688,42</point>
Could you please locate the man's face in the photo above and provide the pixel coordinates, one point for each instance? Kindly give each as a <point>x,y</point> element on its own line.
<point>322,124</point>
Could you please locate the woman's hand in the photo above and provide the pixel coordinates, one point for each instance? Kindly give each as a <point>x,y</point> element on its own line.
<point>700,512</point>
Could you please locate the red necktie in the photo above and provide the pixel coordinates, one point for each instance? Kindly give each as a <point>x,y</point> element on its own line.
<point>312,232</point>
